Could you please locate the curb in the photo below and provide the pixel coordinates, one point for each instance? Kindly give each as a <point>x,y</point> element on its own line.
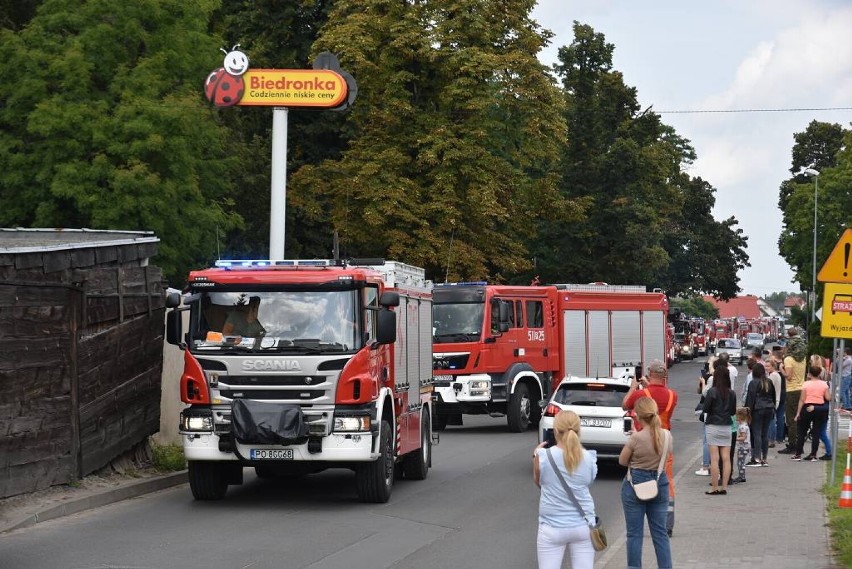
<point>97,500</point>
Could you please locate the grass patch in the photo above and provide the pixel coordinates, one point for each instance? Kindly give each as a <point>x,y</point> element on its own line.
<point>839,519</point>
<point>168,458</point>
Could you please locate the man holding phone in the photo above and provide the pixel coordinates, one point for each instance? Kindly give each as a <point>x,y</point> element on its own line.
<point>654,386</point>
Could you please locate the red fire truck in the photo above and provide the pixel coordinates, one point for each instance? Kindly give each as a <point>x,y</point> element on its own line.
<point>700,336</point>
<point>292,367</point>
<point>500,350</point>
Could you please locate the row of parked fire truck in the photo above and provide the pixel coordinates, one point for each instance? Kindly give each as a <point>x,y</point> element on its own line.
<point>691,337</point>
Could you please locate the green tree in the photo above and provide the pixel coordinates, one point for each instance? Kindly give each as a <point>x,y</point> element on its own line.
<point>648,222</point>
<point>827,147</point>
<point>454,147</point>
<point>102,124</point>
<point>695,306</point>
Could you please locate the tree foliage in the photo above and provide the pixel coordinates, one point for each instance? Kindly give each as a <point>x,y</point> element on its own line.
<point>102,126</point>
<point>695,306</point>
<point>462,153</point>
<point>647,221</point>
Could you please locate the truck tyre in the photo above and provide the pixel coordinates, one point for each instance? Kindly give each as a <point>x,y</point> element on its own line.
<point>207,480</point>
<point>440,422</point>
<point>374,480</point>
<point>520,406</point>
<point>416,466</point>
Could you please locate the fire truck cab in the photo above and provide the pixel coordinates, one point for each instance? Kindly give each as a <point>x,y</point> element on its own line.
<point>292,367</point>
<point>495,351</point>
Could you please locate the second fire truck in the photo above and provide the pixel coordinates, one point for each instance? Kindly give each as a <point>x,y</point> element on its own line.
<point>500,350</point>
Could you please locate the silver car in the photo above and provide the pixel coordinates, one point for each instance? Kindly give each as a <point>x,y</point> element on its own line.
<point>732,347</point>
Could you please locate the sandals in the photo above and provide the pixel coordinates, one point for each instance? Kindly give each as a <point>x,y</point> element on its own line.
<point>716,492</point>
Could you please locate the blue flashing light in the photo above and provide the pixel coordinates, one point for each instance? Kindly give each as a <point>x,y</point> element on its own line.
<point>472,283</point>
<point>230,264</point>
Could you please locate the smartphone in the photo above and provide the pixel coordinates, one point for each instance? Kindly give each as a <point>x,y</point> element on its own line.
<point>549,438</point>
<point>628,425</point>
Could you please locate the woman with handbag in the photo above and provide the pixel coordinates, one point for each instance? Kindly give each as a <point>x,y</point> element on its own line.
<point>720,406</point>
<point>566,511</point>
<point>645,490</point>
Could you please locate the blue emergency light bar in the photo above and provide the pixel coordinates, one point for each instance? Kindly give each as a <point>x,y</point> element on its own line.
<point>473,283</point>
<point>234,264</point>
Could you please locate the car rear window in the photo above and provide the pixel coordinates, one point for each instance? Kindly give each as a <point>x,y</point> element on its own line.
<point>592,394</point>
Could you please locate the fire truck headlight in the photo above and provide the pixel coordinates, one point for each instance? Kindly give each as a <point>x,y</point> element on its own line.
<point>351,424</point>
<point>196,422</point>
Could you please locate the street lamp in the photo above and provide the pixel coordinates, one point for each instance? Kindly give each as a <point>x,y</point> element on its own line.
<point>815,175</point>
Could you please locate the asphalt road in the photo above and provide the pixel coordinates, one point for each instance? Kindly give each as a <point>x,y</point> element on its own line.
<point>477,509</point>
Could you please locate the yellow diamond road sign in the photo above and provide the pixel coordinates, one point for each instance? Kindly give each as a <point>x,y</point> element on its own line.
<point>837,311</point>
<point>838,266</point>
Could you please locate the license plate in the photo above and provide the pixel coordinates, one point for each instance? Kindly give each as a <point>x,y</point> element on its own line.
<point>443,378</point>
<point>271,454</point>
<point>595,422</point>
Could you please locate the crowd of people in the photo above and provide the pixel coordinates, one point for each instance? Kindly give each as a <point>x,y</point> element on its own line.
<point>783,401</point>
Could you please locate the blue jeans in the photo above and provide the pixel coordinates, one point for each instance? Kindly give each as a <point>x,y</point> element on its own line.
<point>705,450</point>
<point>823,436</point>
<point>636,510</point>
<point>846,391</point>
<point>776,427</point>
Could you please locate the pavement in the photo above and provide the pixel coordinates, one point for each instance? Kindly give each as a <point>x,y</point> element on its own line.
<point>776,520</point>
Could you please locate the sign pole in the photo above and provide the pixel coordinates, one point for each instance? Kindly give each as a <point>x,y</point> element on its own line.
<point>833,417</point>
<point>278,194</point>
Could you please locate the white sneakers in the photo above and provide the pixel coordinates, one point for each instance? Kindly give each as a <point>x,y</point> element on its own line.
<point>702,472</point>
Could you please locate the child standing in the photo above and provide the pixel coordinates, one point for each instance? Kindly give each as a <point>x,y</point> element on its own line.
<point>743,443</point>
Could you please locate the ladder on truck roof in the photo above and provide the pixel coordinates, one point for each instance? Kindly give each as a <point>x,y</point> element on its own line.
<point>601,287</point>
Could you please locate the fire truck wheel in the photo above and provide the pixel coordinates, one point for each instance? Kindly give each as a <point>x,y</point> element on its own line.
<point>440,422</point>
<point>416,465</point>
<point>520,407</point>
<point>374,480</point>
<point>207,480</point>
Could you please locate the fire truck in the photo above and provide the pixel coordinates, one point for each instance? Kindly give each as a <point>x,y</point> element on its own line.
<point>293,367</point>
<point>699,336</point>
<point>501,350</point>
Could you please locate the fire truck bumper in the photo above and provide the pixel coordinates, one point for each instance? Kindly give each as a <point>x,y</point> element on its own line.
<point>348,447</point>
<point>466,389</point>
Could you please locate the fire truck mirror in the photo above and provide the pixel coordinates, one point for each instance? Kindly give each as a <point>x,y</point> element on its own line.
<point>389,299</point>
<point>386,326</point>
<point>173,327</point>
<point>173,299</point>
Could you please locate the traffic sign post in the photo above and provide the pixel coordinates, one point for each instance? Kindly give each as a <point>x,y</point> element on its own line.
<point>836,319</point>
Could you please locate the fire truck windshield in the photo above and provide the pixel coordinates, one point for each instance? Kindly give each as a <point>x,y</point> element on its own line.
<point>461,322</point>
<point>307,321</point>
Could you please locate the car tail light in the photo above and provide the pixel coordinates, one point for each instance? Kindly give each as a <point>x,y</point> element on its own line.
<point>552,410</point>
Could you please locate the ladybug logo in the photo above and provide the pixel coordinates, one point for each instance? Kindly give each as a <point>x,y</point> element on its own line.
<point>225,86</point>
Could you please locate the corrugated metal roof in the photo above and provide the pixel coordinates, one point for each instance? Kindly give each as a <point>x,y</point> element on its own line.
<point>23,240</point>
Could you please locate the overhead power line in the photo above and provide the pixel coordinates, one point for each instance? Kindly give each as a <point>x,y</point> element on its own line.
<point>781,110</point>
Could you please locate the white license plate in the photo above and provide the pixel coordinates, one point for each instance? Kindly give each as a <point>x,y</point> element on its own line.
<point>443,378</point>
<point>271,454</point>
<point>595,422</point>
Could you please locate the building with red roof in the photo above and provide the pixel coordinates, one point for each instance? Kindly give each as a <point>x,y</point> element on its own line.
<point>739,307</point>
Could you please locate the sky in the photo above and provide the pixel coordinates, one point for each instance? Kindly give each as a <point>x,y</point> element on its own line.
<point>729,55</point>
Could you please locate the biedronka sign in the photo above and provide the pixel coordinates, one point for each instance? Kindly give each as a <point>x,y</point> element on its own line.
<point>325,87</point>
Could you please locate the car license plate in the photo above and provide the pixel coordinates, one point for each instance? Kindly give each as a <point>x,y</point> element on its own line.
<point>443,378</point>
<point>271,454</point>
<point>595,422</point>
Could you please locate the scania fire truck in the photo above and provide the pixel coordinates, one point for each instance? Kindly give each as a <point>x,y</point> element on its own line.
<point>292,367</point>
<point>500,350</point>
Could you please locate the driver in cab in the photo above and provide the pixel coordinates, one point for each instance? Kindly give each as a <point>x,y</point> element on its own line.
<point>243,322</point>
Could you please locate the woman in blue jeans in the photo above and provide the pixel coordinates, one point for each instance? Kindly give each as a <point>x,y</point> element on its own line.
<point>642,454</point>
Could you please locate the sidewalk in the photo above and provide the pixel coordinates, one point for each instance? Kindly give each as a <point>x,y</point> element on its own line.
<point>776,520</point>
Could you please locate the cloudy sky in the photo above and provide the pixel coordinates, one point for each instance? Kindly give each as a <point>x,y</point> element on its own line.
<point>730,55</point>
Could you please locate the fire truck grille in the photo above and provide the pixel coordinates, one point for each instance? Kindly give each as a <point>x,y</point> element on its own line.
<point>284,380</point>
<point>296,395</point>
<point>450,362</point>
